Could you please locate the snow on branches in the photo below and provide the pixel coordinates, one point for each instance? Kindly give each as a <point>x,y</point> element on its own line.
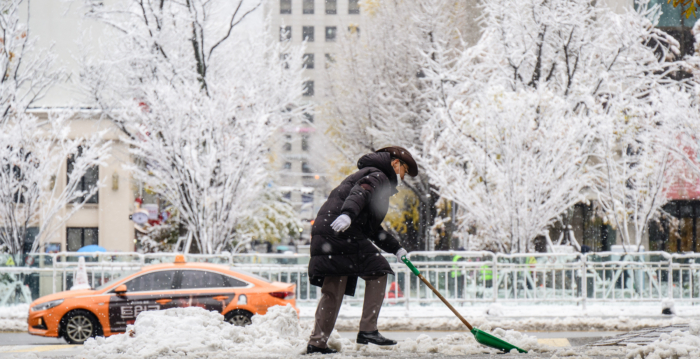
<point>198,100</point>
<point>513,160</point>
<point>378,92</point>
<point>558,98</point>
<point>33,149</point>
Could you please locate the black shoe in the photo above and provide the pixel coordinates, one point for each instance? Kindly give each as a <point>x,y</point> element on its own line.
<point>310,349</point>
<point>374,338</point>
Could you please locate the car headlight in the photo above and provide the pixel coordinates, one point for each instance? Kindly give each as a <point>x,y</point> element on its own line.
<point>47,305</point>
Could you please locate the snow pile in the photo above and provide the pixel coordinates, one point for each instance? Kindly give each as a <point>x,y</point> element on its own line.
<point>676,345</point>
<point>196,332</point>
<point>668,306</point>
<point>14,318</point>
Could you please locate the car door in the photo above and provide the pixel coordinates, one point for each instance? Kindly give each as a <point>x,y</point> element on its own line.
<point>149,291</point>
<point>207,289</point>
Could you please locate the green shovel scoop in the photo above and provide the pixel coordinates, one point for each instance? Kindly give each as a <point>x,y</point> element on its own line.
<point>480,336</point>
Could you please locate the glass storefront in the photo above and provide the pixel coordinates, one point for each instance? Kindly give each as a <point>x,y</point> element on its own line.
<point>677,231</point>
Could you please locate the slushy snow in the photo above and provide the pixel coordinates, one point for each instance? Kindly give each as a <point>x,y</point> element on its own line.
<point>14,318</point>
<point>676,345</point>
<point>196,332</point>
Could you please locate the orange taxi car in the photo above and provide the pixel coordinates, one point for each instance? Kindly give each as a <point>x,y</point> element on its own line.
<point>80,314</point>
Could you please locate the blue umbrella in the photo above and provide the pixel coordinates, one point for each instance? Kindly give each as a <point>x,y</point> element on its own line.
<point>92,248</point>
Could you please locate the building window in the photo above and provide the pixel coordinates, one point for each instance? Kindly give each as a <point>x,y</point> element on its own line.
<point>309,117</point>
<point>287,166</point>
<point>307,198</point>
<point>285,7</point>
<point>306,169</point>
<point>678,230</point>
<point>287,195</point>
<point>330,33</point>
<point>308,61</point>
<point>308,88</point>
<point>77,238</point>
<point>285,33</point>
<point>331,7</point>
<point>673,22</point>
<point>288,143</point>
<point>329,60</point>
<point>305,142</point>
<point>307,33</point>
<point>308,7</point>
<point>353,7</point>
<point>354,30</point>
<point>283,60</point>
<point>87,182</point>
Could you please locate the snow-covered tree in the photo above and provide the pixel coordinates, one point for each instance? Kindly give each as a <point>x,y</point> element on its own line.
<point>640,157</point>
<point>35,150</point>
<point>198,99</point>
<point>513,160</point>
<point>378,95</point>
<point>574,67</point>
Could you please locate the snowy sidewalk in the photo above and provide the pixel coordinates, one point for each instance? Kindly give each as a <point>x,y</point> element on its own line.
<point>528,318</point>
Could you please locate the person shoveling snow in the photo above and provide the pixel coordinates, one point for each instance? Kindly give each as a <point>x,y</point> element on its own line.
<point>343,239</point>
<point>197,333</point>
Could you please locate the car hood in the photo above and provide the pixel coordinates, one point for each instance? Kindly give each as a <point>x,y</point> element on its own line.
<point>63,295</point>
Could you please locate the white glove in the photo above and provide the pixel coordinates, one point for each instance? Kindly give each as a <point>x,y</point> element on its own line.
<point>341,223</point>
<point>400,253</point>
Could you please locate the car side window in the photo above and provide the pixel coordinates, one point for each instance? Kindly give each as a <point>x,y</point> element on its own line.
<point>195,279</point>
<point>233,282</point>
<point>161,280</point>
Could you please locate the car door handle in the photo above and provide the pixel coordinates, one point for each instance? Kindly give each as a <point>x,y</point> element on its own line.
<point>220,297</point>
<point>163,301</point>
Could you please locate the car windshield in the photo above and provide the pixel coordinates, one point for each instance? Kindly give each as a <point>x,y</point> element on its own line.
<point>114,280</point>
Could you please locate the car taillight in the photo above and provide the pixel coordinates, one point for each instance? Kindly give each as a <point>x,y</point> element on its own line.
<point>283,295</point>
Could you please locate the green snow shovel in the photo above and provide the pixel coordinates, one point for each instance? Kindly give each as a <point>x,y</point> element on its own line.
<point>480,336</point>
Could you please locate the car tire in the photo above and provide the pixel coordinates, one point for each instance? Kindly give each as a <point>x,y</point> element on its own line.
<point>79,325</point>
<point>239,317</point>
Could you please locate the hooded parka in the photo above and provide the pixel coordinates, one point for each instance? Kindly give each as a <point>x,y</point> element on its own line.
<point>364,197</point>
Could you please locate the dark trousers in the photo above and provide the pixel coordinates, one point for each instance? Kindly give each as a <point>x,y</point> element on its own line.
<point>331,300</point>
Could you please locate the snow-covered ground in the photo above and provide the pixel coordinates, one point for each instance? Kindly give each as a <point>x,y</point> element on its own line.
<point>599,317</point>
<point>14,318</point>
<point>675,345</point>
<point>195,332</point>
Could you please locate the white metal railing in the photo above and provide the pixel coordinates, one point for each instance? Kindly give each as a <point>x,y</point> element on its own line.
<point>462,277</point>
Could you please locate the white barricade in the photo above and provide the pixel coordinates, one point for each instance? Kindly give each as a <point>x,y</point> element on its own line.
<point>462,277</point>
<point>632,277</point>
<point>538,277</point>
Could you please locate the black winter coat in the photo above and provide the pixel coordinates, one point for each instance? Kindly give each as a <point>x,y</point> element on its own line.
<point>364,197</point>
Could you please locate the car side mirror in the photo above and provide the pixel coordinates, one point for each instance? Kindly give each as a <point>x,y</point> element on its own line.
<point>120,290</point>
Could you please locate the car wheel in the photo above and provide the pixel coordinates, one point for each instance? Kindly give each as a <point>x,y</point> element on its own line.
<point>239,317</point>
<point>79,325</point>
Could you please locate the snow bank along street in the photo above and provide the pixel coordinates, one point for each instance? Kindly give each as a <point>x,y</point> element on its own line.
<point>14,318</point>
<point>195,332</point>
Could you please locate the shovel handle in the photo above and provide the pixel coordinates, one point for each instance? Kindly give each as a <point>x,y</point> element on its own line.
<point>417,273</point>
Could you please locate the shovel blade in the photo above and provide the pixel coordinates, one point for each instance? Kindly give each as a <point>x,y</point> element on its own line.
<point>490,341</point>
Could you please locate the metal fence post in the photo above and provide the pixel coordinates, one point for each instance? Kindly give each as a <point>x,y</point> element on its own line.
<point>584,280</point>
<point>494,276</point>
<point>669,295</point>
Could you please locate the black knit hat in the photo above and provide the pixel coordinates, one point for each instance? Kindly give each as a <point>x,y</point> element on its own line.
<point>403,155</point>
